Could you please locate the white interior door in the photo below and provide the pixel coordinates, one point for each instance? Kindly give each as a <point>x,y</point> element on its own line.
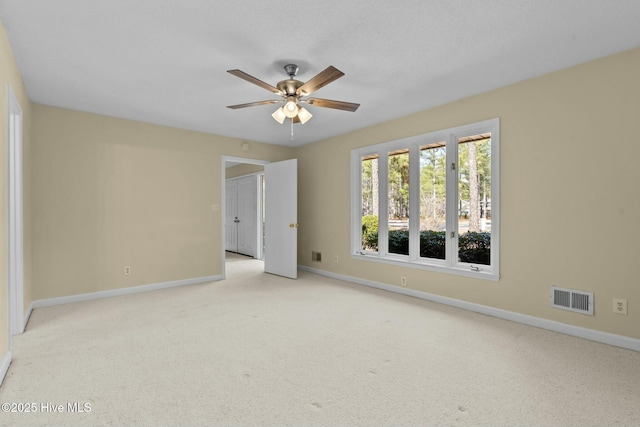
<point>248,215</point>
<point>281,218</point>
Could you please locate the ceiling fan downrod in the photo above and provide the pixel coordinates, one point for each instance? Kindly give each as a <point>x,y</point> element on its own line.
<point>291,70</point>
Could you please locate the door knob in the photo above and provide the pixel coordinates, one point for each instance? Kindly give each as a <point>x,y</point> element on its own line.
<point>293,225</point>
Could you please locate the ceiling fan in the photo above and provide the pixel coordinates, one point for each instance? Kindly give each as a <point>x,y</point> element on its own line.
<point>294,92</point>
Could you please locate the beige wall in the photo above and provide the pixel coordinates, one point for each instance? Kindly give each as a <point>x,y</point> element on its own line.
<point>243,169</point>
<point>9,74</point>
<point>110,193</point>
<point>570,202</point>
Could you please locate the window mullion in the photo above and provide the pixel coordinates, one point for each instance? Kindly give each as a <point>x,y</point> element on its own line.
<point>414,201</point>
<point>383,203</point>
<point>452,201</point>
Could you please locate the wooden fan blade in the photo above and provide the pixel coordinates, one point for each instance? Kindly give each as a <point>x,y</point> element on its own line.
<point>322,79</point>
<point>253,104</point>
<point>328,103</point>
<point>255,81</point>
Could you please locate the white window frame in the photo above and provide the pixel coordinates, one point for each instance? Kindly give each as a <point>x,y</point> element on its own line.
<point>450,264</point>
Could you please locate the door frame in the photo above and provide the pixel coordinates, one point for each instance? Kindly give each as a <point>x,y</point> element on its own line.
<point>223,197</point>
<point>15,220</point>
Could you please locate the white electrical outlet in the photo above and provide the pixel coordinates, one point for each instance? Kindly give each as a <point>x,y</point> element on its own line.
<point>403,281</point>
<point>127,270</point>
<point>335,259</point>
<point>620,306</point>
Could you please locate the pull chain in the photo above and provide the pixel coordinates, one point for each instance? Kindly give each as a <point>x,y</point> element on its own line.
<point>292,129</point>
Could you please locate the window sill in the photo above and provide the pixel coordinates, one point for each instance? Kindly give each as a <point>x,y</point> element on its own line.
<point>422,265</point>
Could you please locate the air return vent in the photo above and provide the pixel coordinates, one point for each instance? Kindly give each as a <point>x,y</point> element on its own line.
<point>572,300</point>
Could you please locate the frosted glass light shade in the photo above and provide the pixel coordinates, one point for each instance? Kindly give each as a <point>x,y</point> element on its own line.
<point>291,107</point>
<point>304,115</point>
<point>279,115</point>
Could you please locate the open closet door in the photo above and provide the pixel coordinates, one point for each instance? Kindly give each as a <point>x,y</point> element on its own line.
<point>281,218</point>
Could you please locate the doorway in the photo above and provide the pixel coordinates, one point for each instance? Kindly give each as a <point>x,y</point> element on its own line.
<point>243,239</point>
<point>279,214</point>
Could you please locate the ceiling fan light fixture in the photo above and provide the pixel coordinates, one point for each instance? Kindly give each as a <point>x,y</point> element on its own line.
<point>294,92</point>
<point>304,115</point>
<point>291,107</point>
<point>279,115</point>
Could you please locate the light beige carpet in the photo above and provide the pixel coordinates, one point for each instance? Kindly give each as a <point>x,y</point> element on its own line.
<point>258,349</point>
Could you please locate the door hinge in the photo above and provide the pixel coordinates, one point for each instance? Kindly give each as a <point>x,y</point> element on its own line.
<point>453,166</point>
<point>453,234</point>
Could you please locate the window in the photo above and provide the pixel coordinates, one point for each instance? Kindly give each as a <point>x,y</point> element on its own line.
<point>430,201</point>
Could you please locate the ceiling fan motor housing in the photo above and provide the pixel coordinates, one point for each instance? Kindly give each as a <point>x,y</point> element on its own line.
<point>289,87</point>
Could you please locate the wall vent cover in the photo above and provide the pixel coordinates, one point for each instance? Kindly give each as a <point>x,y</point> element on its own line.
<point>572,300</point>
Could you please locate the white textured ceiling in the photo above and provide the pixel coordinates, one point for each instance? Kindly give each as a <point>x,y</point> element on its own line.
<point>165,61</point>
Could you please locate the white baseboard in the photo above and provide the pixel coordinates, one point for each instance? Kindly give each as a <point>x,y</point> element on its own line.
<point>27,316</point>
<point>551,325</point>
<point>119,292</point>
<point>4,367</point>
